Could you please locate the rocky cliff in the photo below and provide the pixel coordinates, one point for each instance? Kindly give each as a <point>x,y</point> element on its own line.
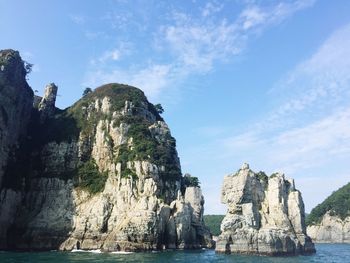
<point>16,99</point>
<point>331,229</point>
<point>102,174</point>
<point>329,222</point>
<point>265,215</point>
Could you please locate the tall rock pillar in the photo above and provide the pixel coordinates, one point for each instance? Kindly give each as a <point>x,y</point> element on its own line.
<point>47,104</point>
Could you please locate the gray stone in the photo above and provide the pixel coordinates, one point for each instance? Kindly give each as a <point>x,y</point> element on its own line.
<point>331,229</point>
<point>262,218</point>
<point>47,104</point>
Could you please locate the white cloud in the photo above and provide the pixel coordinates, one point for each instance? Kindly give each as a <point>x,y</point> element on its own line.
<point>309,146</point>
<point>198,46</point>
<point>78,19</point>
<point>107,56</point>
<point>123,49</point>
<point>255,16</point>
<point>151,79</point>
<point>198,42</point>
<point>320,83</point>
<point>252,16</point>
<point>306,135</point>
<point>315,155</point>
<point>211,8</point>
<point>192,43</point>
<point>316,96</point>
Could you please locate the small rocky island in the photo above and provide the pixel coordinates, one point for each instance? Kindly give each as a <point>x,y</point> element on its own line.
<point>265,215</point>
<point>329,222</point>
<point>101,174</point>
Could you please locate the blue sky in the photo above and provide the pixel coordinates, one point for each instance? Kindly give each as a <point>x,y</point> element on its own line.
<point>264,82</point>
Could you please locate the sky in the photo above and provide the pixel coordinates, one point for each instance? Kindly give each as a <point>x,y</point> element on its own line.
<point>263,82</point>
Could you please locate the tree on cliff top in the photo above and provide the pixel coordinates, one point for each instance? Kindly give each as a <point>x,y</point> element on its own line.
<point>189,180</point>
<point>159,108</point>
<point>87,91</point>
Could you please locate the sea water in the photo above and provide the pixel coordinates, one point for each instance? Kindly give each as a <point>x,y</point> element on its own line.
<point>335,253</point>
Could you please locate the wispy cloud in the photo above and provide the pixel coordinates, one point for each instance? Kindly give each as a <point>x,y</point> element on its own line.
<point>123,49</point>
<point>152,79</point>
<point>312,122</point>
<point>308,132</point>
<point>78,19</point>
<point>198,45</point>
<point>255,16</point>
<point>198,42</point>
<point>320,83</point>
<point>291,150</point>
<point>192,43</point>
<point>212,8</point>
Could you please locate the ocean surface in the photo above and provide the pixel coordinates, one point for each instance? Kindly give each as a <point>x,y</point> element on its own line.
<point>325,253</point>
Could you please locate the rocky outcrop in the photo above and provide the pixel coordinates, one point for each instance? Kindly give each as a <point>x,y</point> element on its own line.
<point>47,105</point>
<point>329,222</point>
<point>102,174</point>
<point>265,215</point>
<point>332,229</point>
<point>16,99</point>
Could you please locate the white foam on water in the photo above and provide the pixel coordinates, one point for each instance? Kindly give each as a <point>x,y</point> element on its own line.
<point>122,252</point>
<point>96,251</point>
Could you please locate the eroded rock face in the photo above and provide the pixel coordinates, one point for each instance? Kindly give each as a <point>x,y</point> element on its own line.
<point>265,215</point>
<point>16,99</point>
<point>135,199</point>
<point>332,229</point>
<point>47,105</point>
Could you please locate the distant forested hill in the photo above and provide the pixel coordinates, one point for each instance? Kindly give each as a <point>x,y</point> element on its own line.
<point>338,203</point>
<point>214,222</point>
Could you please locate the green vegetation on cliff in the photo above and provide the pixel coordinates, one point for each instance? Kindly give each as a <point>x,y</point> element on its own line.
<point>66,125</point>
<point>90,178</point>
<point>338,204</point>
<point>214,223</point>
<point>189,180</point>
<point>79,123</point>
<point>262,176</point>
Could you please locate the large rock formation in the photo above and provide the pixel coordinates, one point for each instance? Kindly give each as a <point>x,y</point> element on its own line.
<point>265,215</point>
<point>329,222</point>
<point>102,174</point>
<point>16,99</point>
